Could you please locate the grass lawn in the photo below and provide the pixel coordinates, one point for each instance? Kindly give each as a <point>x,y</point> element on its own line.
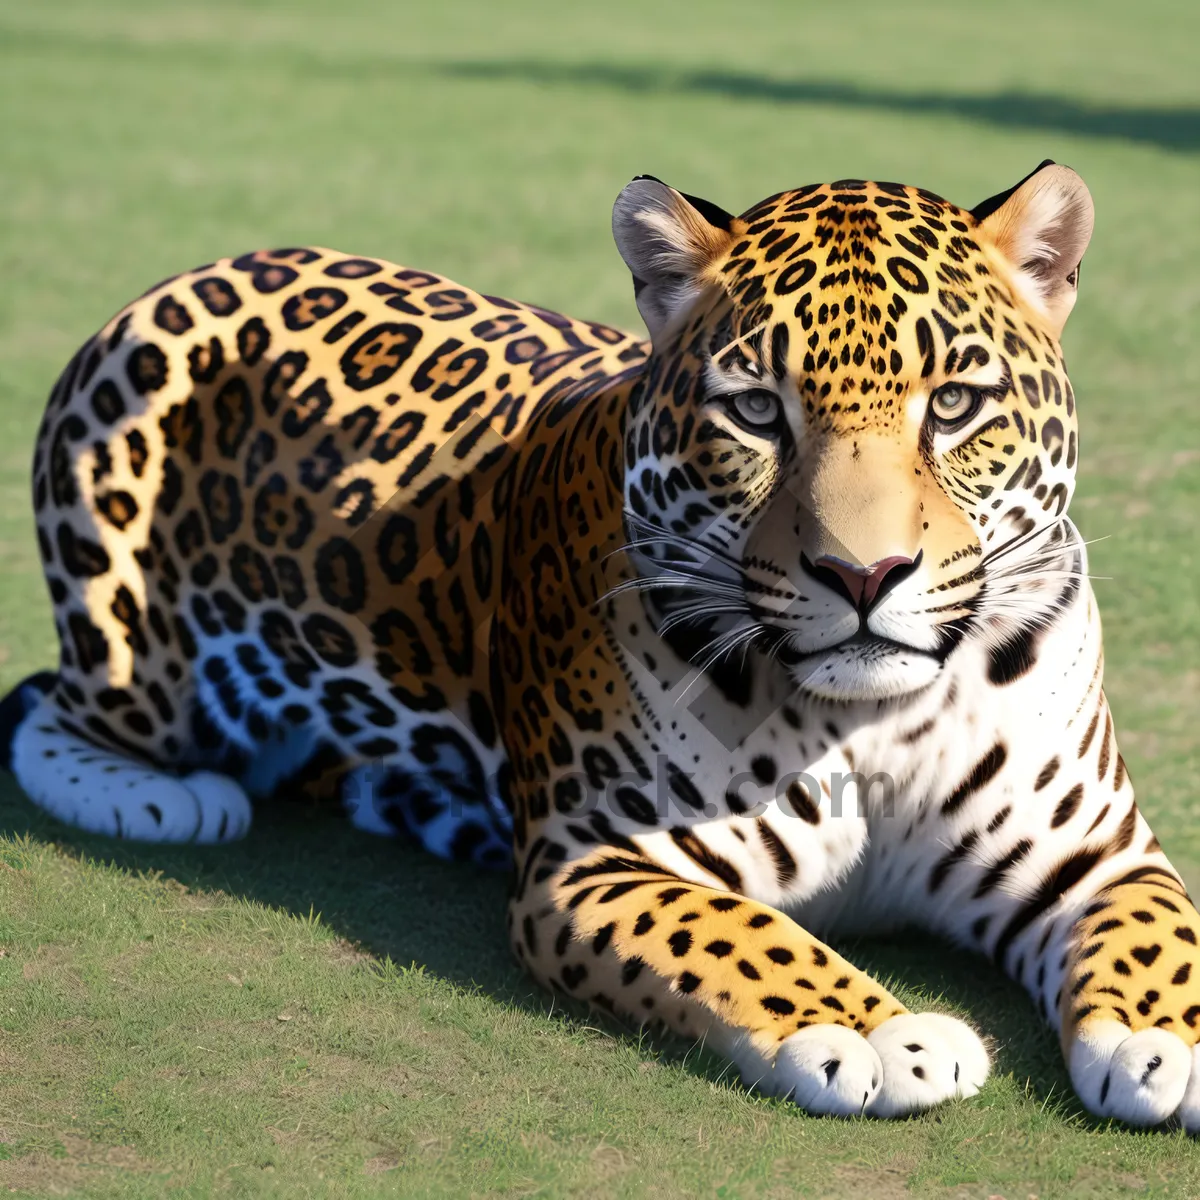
<point>316,1013</point>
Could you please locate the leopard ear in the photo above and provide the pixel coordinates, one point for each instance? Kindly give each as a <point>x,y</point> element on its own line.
<point>1042,226</point>
<point>670,242</point>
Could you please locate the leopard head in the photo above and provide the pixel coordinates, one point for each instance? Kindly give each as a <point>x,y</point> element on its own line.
<point>855,441</point>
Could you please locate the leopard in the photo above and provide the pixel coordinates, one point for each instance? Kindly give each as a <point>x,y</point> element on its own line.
<point>768,628</point>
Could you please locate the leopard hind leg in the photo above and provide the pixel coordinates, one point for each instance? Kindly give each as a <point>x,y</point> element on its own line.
<point>431,780</point>
<point>103,790</point>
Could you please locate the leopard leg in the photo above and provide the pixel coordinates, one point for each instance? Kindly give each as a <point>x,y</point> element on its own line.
<point>1108,947</point>
<point>102,790</point>
<point>1091,918</point>
<point>1130,1005</point>
<point>799,1020</point>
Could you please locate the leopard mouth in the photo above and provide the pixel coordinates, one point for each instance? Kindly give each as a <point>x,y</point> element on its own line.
<point>863,640</point>
<point>863,667</point>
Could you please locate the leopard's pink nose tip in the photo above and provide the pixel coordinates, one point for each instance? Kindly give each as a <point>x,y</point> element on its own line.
<point>863,583</point>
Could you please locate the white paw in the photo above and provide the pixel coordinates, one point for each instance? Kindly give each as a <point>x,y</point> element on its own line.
<point>825,1069</point>
<point>927,1058</point>
<point>140,806</point>
<point>104,792</point>
<point>1141,1078</point>
<point>224,807</point>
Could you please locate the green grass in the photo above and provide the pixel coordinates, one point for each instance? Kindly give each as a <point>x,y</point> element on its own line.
<point>178,1021</point>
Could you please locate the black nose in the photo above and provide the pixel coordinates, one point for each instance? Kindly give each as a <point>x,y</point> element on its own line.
<point>863,586</point>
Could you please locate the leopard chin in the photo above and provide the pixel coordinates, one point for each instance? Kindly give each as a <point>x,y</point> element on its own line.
<point>865,669</point>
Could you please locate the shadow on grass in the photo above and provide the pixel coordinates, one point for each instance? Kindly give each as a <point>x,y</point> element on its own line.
<point>397,902</point>
<point>1163,126</point>
<point>1168,128</point>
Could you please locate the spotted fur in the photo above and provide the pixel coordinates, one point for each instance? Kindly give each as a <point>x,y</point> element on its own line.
<point>773,626</point>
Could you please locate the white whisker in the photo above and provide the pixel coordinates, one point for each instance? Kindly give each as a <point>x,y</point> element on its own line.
<point>722,645</point>
<point>682,616</point>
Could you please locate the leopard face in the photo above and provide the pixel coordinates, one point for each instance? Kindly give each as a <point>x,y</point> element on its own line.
<point>857,438</point>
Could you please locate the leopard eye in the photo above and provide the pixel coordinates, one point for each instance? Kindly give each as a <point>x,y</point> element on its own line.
<point>954,404</point>
<point>756,410</point>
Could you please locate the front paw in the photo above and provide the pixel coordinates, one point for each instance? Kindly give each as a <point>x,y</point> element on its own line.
<point>912,1062</point>
<point>826,1069</point>
<point>1140,1078</point>
<point>927,1058</point>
